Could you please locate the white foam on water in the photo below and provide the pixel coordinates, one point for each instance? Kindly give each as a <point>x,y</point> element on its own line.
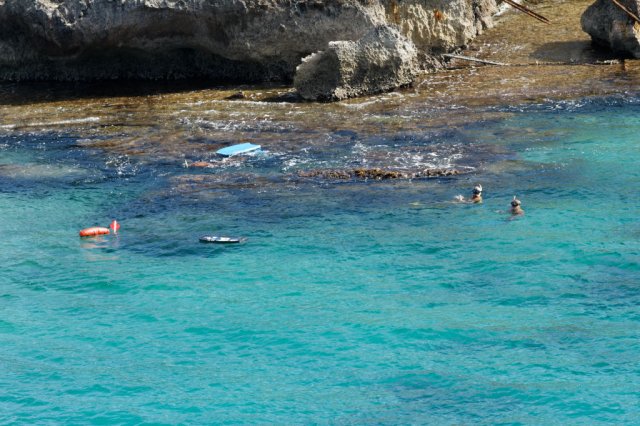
<point>359,105</point>
<point>295,162</point>
<point>122,165</point>
<point>51,123</point>
<point>255,103</point>
<point>250,124</point>
<point>360,148</point>
<point>411,161</point>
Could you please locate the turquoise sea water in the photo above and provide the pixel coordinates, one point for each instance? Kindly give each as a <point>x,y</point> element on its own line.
<point>357,302</point>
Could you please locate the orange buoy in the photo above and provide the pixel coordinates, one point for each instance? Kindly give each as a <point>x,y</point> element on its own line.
<point>94,231</point>
<point>200,164</point>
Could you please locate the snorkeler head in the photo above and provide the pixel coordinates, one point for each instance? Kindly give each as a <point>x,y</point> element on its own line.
<point>515,202</point>
<point>477,189</point>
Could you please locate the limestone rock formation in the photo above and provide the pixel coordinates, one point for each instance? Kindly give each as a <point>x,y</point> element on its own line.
<point>236,40</point>
<point>380,61</point>
<point>439,26</point>
<point>611,27</point>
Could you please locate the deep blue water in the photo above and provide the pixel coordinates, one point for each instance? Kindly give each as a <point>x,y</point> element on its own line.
<point>355,302</point>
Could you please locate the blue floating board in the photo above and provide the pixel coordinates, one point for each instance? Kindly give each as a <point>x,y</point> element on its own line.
<point>241,148</point>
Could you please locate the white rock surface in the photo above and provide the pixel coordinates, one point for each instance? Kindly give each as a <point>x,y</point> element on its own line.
<point>382,60</point>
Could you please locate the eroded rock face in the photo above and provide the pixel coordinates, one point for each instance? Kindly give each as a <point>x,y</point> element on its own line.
<point>382,60</point>
<point>611,27</point>
<point>233,40</point>
<point>237,40</point>
<point>439,26</point>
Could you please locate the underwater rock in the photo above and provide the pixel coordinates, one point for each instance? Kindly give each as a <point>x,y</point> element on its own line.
<point>609,26</point>
<point>380,61</point>
<point>225,40</point>
<point>326,174</point>
<point>436,173</point>
<point>236,95</point>
<point>376,173</point>
<point>45,172</point>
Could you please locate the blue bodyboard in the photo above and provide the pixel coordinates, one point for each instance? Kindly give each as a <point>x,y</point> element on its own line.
<point>242,148</point>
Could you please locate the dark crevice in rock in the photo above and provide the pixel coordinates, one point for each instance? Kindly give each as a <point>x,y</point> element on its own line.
<point>135,64</point>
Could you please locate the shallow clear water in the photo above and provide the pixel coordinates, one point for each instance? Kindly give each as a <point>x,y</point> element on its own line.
<point>375,302</point>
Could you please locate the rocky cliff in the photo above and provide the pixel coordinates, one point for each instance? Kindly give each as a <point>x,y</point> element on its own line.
<point>227,40</point>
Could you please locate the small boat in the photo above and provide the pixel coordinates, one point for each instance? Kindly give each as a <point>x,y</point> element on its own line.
<point>221,240</point>
<point>242,148</point>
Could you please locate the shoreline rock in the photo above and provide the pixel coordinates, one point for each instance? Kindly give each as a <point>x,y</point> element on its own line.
<point>612,28</point>
<point>226,41</point>
<point>380,61</point>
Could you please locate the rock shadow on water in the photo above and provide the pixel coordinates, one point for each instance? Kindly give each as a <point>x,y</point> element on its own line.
<point>36,92</point>
<point>34,179</point>
<point>574,52</point>
<point>290,96</point>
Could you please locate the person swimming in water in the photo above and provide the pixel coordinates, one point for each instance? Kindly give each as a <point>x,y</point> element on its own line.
<point>476,196</point>
<point>516,210</point>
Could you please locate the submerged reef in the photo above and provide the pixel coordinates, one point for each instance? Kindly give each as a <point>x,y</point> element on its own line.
<point>377,174</point>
